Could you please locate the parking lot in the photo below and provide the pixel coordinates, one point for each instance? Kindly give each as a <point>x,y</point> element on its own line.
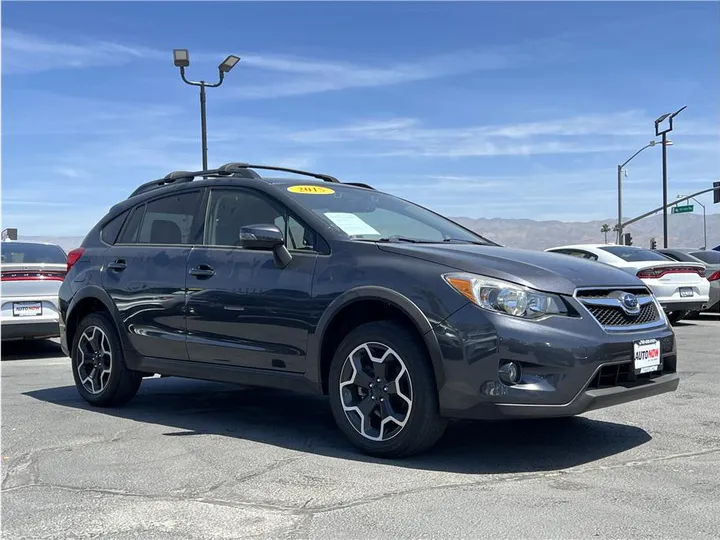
<point>189,459</point>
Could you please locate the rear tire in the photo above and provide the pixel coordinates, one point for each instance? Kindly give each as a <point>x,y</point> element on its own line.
<point>382,391</point>
<point>98,364</point>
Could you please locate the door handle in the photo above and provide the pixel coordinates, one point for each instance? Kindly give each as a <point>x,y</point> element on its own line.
<point>202,271</point>
<point>118,265</point>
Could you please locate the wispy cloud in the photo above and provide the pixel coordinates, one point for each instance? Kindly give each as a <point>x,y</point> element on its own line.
<point>589,133</point>
<point>311,76</point>
<point>28,53</point>
<point>279,75</point>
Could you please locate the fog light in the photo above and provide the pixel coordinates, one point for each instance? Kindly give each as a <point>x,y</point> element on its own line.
<point>510,373</point>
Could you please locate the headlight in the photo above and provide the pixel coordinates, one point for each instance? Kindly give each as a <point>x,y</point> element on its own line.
<point>504,297</point>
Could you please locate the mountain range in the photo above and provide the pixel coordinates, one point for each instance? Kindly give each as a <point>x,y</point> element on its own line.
<point>684,230</point>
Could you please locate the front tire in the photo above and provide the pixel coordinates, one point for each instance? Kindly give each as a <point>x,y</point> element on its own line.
<point>382,390</point>
<point>98,365</point>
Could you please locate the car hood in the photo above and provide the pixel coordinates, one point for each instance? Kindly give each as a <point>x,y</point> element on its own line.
<point>549,272</point>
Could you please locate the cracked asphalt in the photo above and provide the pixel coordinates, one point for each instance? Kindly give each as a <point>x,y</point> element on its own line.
<point>195,460</point>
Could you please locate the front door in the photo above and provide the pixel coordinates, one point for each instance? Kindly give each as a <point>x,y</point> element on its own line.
<point>145,273</point>
<point>242,309</point>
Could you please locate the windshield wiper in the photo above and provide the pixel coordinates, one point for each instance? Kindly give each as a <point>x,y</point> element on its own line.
<point>398,238</point>
<point>463,241</point>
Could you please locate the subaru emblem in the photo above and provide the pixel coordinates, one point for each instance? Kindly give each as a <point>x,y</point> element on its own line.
<point>629,302</point>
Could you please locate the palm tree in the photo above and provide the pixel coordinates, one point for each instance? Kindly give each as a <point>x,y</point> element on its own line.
<point>605,229</point>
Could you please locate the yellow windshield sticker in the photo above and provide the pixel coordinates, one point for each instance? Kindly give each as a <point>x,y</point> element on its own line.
<point>311,190</point>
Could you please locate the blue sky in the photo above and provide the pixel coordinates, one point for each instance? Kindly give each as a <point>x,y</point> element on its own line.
<point>484,109</point>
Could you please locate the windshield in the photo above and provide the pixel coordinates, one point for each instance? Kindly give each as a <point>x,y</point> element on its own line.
<point>633,254</point>
<point>370,215</point>
<point>20,252</point>
<point>710,257</point>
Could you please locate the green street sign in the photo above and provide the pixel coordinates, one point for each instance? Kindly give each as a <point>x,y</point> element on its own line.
<point>682,209</point>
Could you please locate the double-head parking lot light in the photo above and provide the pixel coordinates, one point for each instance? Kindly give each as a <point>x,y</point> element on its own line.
<point>181,59</point>
<point>663,133</point>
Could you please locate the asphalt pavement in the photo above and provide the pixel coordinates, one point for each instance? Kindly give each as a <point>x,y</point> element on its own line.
<point>197,460</point>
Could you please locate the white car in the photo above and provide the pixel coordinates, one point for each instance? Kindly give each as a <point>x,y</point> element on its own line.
<point>32,273</point>
<point>680,287</point>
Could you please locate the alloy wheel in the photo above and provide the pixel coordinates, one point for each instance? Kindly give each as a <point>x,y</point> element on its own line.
<point>376,391</point>
<point>94,359</point>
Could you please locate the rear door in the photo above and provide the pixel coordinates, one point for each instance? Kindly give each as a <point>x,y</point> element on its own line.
<point>145,272</point>
<point>243,310</point>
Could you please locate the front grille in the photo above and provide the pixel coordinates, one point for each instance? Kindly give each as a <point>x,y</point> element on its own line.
<point>607,309</point>
<point>624,374</point>
<point>615,316</point>
<point>605,293</point>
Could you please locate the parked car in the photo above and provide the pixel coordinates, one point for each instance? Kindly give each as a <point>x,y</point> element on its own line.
<point>401,316</point>
<point>32,273</point>
<point>680,288</point>
<point>711,260</point>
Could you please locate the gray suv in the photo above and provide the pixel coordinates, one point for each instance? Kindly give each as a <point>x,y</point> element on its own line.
<point>403,318</point>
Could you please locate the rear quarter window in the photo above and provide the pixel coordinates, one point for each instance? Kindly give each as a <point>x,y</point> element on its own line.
<point>111,229</point>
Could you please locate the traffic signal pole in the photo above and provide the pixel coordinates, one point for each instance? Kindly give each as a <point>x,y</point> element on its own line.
<point>715,188</point>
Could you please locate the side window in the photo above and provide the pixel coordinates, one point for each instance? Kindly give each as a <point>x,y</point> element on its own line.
<point>111,229</point>
<point>298,237</point>
<point>588,255</point>
<point>132,226</point>
<point>172,220</point>
<point>230,210</point>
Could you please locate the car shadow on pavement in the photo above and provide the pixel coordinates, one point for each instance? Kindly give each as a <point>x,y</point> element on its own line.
<point>304,423</point>
<point>30,349</point>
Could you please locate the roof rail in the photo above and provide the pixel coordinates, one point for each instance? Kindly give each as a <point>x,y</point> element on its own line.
<point>238,170</point>
<point>359,184</point>
<point>234,167</point>
<point>177,177</point>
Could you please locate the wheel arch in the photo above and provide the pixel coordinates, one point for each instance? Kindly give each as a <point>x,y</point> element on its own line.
<point>92,299</point>
<point>397,303</point>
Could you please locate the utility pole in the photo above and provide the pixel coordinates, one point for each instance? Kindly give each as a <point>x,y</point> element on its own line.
<point>619,186</point>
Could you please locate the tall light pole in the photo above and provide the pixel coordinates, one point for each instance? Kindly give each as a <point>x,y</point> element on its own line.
<point>619,193</point>
<point>181,58</point>
<point>664,133</point>
<point>704,217</point>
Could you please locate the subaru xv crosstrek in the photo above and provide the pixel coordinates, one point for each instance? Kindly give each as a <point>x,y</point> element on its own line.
<point>402,317</point>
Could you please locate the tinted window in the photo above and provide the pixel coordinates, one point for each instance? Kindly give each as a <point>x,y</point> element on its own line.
<point>575,253</point>
<point>230,210</point>
<point>21,252</point>
<point>709,257</point>
<point>672,255</point>
<point>633,254</point>
<point>132,226</point>
<point>680,256</point>
<point>298,237</point>
<point>171,220</point>
<point>371,215</point>
<point>112,228</point>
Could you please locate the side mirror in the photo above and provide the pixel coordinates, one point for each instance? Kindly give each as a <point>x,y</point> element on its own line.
<point>266,236</point>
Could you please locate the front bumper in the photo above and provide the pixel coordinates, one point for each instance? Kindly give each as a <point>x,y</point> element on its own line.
<point>569,365</point>
<point>587,400</point>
